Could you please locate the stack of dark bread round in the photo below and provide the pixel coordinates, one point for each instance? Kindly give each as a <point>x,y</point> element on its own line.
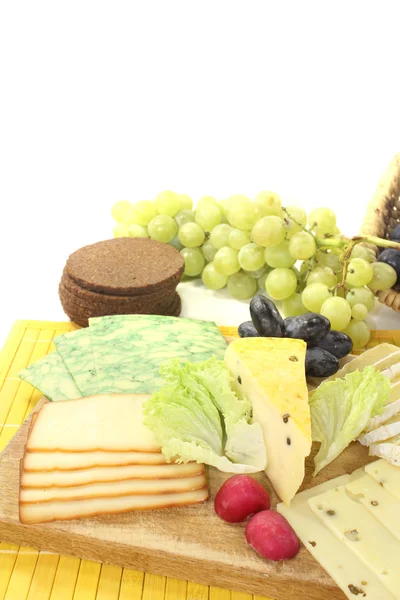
<point>121,276</point>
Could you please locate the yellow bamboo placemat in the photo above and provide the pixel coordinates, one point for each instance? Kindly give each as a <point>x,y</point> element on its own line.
<point>26,573</point>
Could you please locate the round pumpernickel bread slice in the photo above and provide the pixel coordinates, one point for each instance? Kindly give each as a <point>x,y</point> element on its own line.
<point>125,266</point>
<point>89,297</point>
<point>96,311</point>
<point>81,318</point>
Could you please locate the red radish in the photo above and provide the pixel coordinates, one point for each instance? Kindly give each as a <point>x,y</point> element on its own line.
<point>239,497</point>
<point>269,534</point>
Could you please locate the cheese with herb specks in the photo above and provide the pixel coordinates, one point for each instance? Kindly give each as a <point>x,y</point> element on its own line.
<point>76,350</point>
<point>129,349</point>
<point>270,372</point>
<point>51,377</point>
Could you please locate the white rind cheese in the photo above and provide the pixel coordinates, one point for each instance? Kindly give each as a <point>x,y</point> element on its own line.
<point>389,429</point>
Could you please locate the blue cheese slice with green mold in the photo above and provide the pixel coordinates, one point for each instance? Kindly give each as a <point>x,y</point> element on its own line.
<point>270,373</point>
<point>353,577</point>
<point>51,377</point>
<point>75,349</point>
<point>362,533</point>
<point>129,349</point>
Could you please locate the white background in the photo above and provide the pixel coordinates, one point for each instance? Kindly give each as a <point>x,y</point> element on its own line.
<point>101,101</point>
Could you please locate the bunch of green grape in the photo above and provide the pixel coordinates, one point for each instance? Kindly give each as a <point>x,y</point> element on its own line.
<point>259,246</point>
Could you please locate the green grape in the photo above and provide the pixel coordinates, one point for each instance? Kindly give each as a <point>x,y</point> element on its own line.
<point>242,213</point>
<point>294,221</point>
<point>136,231</point>
<point>238,238</point>
<point>207,201</point>
<point>281,283</point>
<point>261,280</point>
<point>302,246</point>
<point>226,261</point>
<point>329,259</point>
<point>224,206</point>
<point>141,213</point>
<point>220,235</point>
<point>242,286</point>
<point>338,311</point>
<point>297,214</point>
<point>384,276</point>
<point>322,219</point>
<point>279,256</point>
<point>361,295</point>
<point>162,228</point>
<point>251,257</point>
<point>359,333</point>
<point>306,267</point>
<point>176,243</point>
<point>322,275</point>
<point>120,209</point>
<point>168,203</point>
<point>258,272</point>
<point>191,235</point>
<point>212,278</point>
<point>359,272</point>
<point>314,295</point>
<point>268,231</point>
<point>184,216</point>
<point>208,251</point>
<point>208,216</point>
<point>185,201</point>
<point>121,230</point>
<point>360,251</point>
<point>194,261</point>
<point>359,312</point>
<point>268,204</point>
<point>293,306</point>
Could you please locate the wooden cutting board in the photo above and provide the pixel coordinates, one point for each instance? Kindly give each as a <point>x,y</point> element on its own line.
<point>190,543</point>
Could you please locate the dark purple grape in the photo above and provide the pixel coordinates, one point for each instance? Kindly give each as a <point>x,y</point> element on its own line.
<point>266,317</point>
<point>391,257</point>
<point>337,343</point>
<point>320,362</point>
<point>247,329</point>
<point>310,327</point>
<point>395,235</point>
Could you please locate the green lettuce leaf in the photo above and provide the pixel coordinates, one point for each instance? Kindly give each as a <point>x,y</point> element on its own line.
<point>340,410</point>
<point>197,416</point>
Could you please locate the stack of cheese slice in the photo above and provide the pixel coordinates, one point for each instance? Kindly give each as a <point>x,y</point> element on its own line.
<point>351,526</point>
<point>94,456</point>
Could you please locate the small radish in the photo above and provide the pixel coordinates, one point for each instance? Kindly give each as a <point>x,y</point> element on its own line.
<point>239,497</point>
<point>269,534</point>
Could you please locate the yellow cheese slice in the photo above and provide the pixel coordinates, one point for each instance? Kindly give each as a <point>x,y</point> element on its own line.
<point>377,501</point>
<point>270,372</point>
<point>70,461</point>
<point>46,512</point>
<point>129,487</point>
<point>352,576</point>
<point>387,475</point>
<point>109,423</point>
<point>46,479</point>
<point>362,533</point>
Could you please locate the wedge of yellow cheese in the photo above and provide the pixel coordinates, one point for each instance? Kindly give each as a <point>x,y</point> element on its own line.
<point>270,372</point>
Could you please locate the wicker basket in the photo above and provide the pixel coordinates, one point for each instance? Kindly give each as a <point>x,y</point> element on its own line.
<point>383,214</point>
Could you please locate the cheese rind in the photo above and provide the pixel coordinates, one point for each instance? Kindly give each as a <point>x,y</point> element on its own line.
<point>108,423</point>
<point>114,488</point>
<point>361,533</point>
<point>270,372</point>
<point>72,461</point>
<point>378,502</point>
<point>387,430</point>
<point>46,479</point>
<point>346,569</point>
<point>46,512</point>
